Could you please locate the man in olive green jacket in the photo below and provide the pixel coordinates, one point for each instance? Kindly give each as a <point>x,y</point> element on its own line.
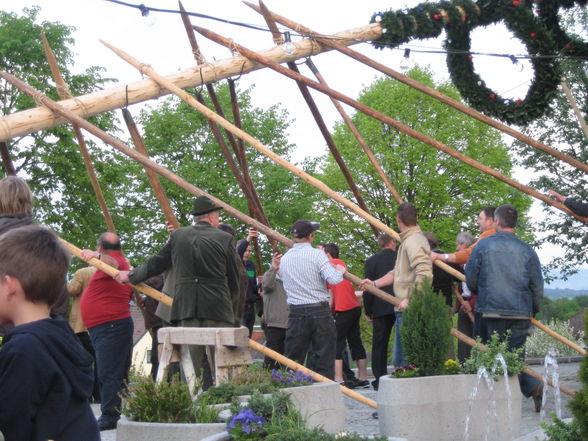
<point>206,277</point>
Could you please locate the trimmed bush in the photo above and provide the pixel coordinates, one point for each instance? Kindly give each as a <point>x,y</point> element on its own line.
<point>539,342</point>
<point>425,331</point>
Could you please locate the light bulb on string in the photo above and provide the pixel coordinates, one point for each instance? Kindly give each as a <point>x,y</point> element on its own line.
<point>406,63</point>
<point>289,48</point>
<point>148,18</point>
<point>518,66</point>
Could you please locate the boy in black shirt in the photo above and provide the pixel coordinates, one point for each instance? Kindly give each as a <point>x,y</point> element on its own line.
<point>46,376</point>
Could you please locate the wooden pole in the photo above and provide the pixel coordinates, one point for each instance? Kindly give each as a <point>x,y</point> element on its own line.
<point>279,160</point>
<point>318,118</point>
<point>113,272</point>
<point>243,177</point>
<point>120,146</point>
<point>158,190</point>
<point>386,119</point>
<point>361,141</point>
<point>32,120</point>
<point>317,377</point>
<point>461,300</point>
<point>576,109</point>
<point>7,160</point>
<point>64,93</point>
<point>44,100</point>
<point>335,44</point>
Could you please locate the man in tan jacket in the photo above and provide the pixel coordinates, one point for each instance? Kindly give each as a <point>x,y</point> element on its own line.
<point>76,288</point>
<point>413,266</point>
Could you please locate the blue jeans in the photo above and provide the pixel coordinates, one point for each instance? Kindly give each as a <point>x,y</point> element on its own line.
<point>398,354</point>
<point>113,343</point>
<point>312,324</point>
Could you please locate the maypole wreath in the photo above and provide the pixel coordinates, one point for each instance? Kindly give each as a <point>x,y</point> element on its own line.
<point>535,24</point>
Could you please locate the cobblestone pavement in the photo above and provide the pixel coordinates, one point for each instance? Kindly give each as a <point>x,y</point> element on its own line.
<point>359,416</point>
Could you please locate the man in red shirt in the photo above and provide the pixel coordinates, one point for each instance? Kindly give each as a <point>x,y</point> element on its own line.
<point>347,311</point>
<point>106,313</point>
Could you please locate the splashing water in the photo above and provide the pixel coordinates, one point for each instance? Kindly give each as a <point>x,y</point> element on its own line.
<point>482,374</point>
<point>551,372</point>
<point>499,360</point>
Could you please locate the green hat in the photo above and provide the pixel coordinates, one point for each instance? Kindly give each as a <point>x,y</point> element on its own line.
<point>203,205</point>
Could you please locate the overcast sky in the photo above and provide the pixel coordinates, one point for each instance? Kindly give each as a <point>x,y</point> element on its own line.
<point>164,46</point>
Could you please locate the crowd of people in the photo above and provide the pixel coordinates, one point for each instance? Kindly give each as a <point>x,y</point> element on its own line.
<point>308,310</point>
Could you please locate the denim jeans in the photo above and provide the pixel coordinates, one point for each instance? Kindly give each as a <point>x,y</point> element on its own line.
<point>312,324</point>
<point>398,353</point>
<point>113,343</point>
<point>519,329</point>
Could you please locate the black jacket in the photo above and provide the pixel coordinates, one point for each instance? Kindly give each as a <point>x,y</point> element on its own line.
<point>443,281</point>
<point>252,288</point>
<point>46,382</point>
<point>375,267</point>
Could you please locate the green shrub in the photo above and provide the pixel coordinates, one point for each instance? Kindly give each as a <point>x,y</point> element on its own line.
<point>165,402</point>
<point>226,392</point>
<point>539,342</point>
<point>561,431</point>
<point>478,358</point>
<point>579,404</point>
<point>425,331</point>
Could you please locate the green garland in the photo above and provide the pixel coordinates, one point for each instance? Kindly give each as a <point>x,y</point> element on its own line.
<point>538,28</point>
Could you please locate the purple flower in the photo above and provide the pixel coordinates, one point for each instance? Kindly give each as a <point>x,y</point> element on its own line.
<point>246,421</point>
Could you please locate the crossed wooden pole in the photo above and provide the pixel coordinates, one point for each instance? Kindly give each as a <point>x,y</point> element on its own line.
<point>44,100</point>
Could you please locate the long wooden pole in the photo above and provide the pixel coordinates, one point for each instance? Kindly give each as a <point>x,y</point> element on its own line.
<point>154,181</point>
<point>64,93</point>
<point>335,44</point>
<point>575,108</point>
<point>318,118</point>
<point>242,176</point>
<point>386,119</point>
<point>260,147</point>
<point>360,140</point>
<point>7,160</point>
<point>32,120</point>
<point>120,146</point>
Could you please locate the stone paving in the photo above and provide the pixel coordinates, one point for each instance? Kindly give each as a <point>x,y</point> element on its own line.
<point>359,416</point>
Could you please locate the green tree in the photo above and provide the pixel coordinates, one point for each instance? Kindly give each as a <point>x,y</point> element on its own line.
<point>178,137</point>
<point>447,193</point>
<point>560,309</point>
<point>560,129</point>
<point>50,160</point>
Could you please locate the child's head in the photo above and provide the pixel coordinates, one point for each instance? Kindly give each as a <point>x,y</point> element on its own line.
<point>33,265</point>
<point>15,196</point>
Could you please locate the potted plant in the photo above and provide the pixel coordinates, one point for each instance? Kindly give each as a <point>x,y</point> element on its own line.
<point>321,404</point>
<point>430,395</point>
<point>274,418</point>
<point>155,411</point>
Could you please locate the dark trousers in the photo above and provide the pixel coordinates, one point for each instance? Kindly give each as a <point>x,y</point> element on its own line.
<point>465,325</point>
<point>312,324</point>
<point>485,327</point>
<point>348,373</point>
<point>382,330</point>
<point>274,339</point>
<point>249,317</point>
<point>154,356</point>
<point>113,343</point>
<point>84,339</point>
<point>347,324</point>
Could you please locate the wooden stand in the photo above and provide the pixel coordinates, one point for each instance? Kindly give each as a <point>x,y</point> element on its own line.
<point>229,356</point>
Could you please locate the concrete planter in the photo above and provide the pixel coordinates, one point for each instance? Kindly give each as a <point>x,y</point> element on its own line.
<point>127,430</point>
<point>227,437</point>
<point>425,407</point>
<point>321,405</point>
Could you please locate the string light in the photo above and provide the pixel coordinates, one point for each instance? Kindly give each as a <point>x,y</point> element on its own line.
<point>406,63</point>
<point>146,11</point>
<point>289,48</point>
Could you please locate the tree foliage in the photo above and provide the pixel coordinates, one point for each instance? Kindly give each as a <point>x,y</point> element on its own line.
<point>448,194</point>
<point>50,160</point>
<point>560,129</point>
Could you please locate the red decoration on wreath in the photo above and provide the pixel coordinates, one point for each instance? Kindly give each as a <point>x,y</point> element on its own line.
<point>519,101</point>
<point>532,35</point>
<point>463,19</point>
<point>437,16</point>
<point>568,46</point>
<point>515,2</point>
<point>492,96</point>
<point>470,57</point>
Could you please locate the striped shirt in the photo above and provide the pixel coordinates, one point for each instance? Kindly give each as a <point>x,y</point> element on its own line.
<point>305,271</point>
